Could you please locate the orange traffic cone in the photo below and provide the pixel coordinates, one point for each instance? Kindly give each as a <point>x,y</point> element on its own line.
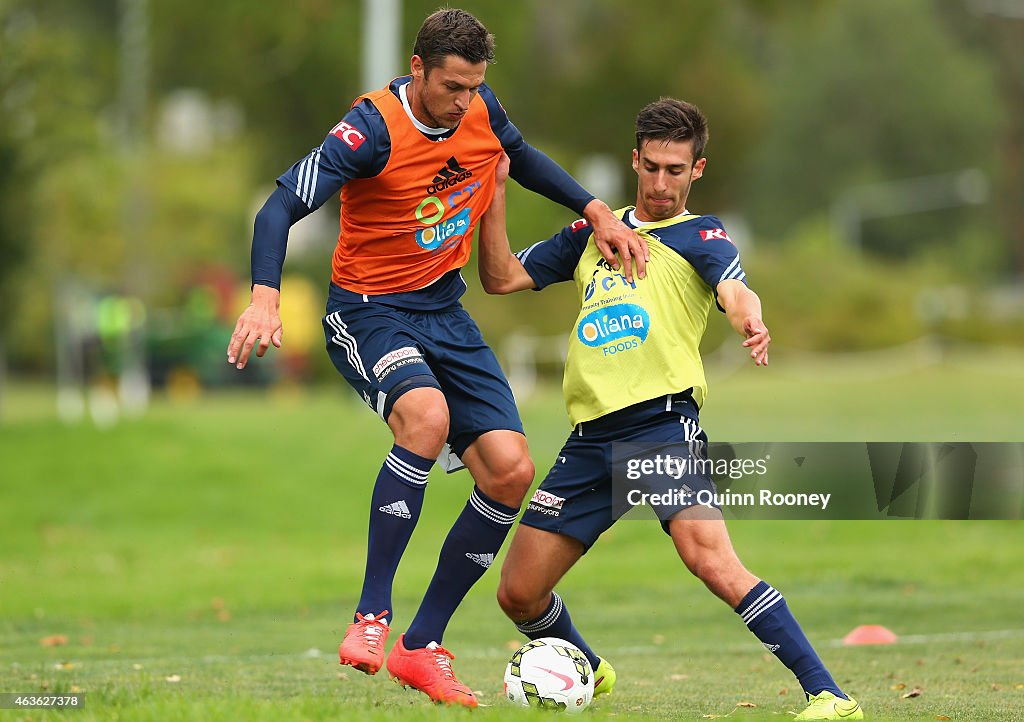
<point>870,634</point>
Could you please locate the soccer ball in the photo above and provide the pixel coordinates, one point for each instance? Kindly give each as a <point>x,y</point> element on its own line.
<point>550,673</point>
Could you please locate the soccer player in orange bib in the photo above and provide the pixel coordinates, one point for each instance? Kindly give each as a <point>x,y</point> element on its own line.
<point>415,163</point>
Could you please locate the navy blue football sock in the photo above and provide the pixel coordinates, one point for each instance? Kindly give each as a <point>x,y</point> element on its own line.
<point>394,509</point>
<point>466,554</point>
<point>766,614</point>
<point>556,622</point>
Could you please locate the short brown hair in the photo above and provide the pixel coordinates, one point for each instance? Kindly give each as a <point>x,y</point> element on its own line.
<point>669,119</point>
<point>450,31</point>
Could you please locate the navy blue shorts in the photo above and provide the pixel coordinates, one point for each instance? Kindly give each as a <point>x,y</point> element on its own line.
<point>576,497</point>
<point>383,352</point>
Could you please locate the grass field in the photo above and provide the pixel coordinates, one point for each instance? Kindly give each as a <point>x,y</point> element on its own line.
<point>202,562</point>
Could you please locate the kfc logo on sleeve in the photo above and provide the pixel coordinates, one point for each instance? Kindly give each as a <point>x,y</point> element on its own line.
<point>715,234</point>
<point>348,135</point>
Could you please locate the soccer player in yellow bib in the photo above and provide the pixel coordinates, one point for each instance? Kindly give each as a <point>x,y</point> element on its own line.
<point>634,374</point>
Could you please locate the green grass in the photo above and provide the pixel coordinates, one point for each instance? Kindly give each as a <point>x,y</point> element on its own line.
<point>222,542</point>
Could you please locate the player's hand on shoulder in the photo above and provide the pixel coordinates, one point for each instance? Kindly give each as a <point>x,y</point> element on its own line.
<point>615,240</point>
<point>757,340</point>
<point>258,326</point>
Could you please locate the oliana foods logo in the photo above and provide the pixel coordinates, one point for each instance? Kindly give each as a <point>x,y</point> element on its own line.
<point>619,327</point>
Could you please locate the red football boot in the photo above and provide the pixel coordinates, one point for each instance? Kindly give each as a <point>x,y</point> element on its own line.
<point>363,646</point>
<point>430,671</point>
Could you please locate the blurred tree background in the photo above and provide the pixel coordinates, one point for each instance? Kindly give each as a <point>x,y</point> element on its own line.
<point>868,156</point>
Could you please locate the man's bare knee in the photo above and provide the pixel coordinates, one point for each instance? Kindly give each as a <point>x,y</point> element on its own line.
<point>419,421</point>
<point>501,466</point>
<point>513,480</point>
<point>431,424</point>
<point>519,602</point>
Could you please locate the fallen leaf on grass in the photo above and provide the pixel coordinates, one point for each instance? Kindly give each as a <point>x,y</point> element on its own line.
<point>677,677</point>
<point>784,691</point>
<point>342,675</point>
<point>745,704</point>
<point>941,716</point>
<point>915,692</point>
<point>74,689</point>
<point>54,640</point>
<point>898,686</point>
<point>513,644</point>
<point>64,665</point>
<point>136,666</point>
<point>173,678</point>
<point>995,687</point>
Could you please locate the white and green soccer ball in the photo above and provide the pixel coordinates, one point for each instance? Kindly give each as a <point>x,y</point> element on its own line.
<point>550,673</point>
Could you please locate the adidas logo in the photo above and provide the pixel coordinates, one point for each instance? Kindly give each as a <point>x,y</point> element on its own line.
<point>398,508</point>
<point>773,648</point>
<point>449,170</point>
<point>484,560</point>
<point>450,174</point>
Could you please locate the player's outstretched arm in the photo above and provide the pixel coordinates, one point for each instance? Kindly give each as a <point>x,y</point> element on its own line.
<point>500,271</point>
<point>259,326</point>
<point>743,309</point>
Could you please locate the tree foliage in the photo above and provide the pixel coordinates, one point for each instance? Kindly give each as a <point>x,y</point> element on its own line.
<point>867,92</point>
<point>806,100</point>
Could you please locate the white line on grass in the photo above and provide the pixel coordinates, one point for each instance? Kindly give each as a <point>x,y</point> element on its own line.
<point>490,652</point>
